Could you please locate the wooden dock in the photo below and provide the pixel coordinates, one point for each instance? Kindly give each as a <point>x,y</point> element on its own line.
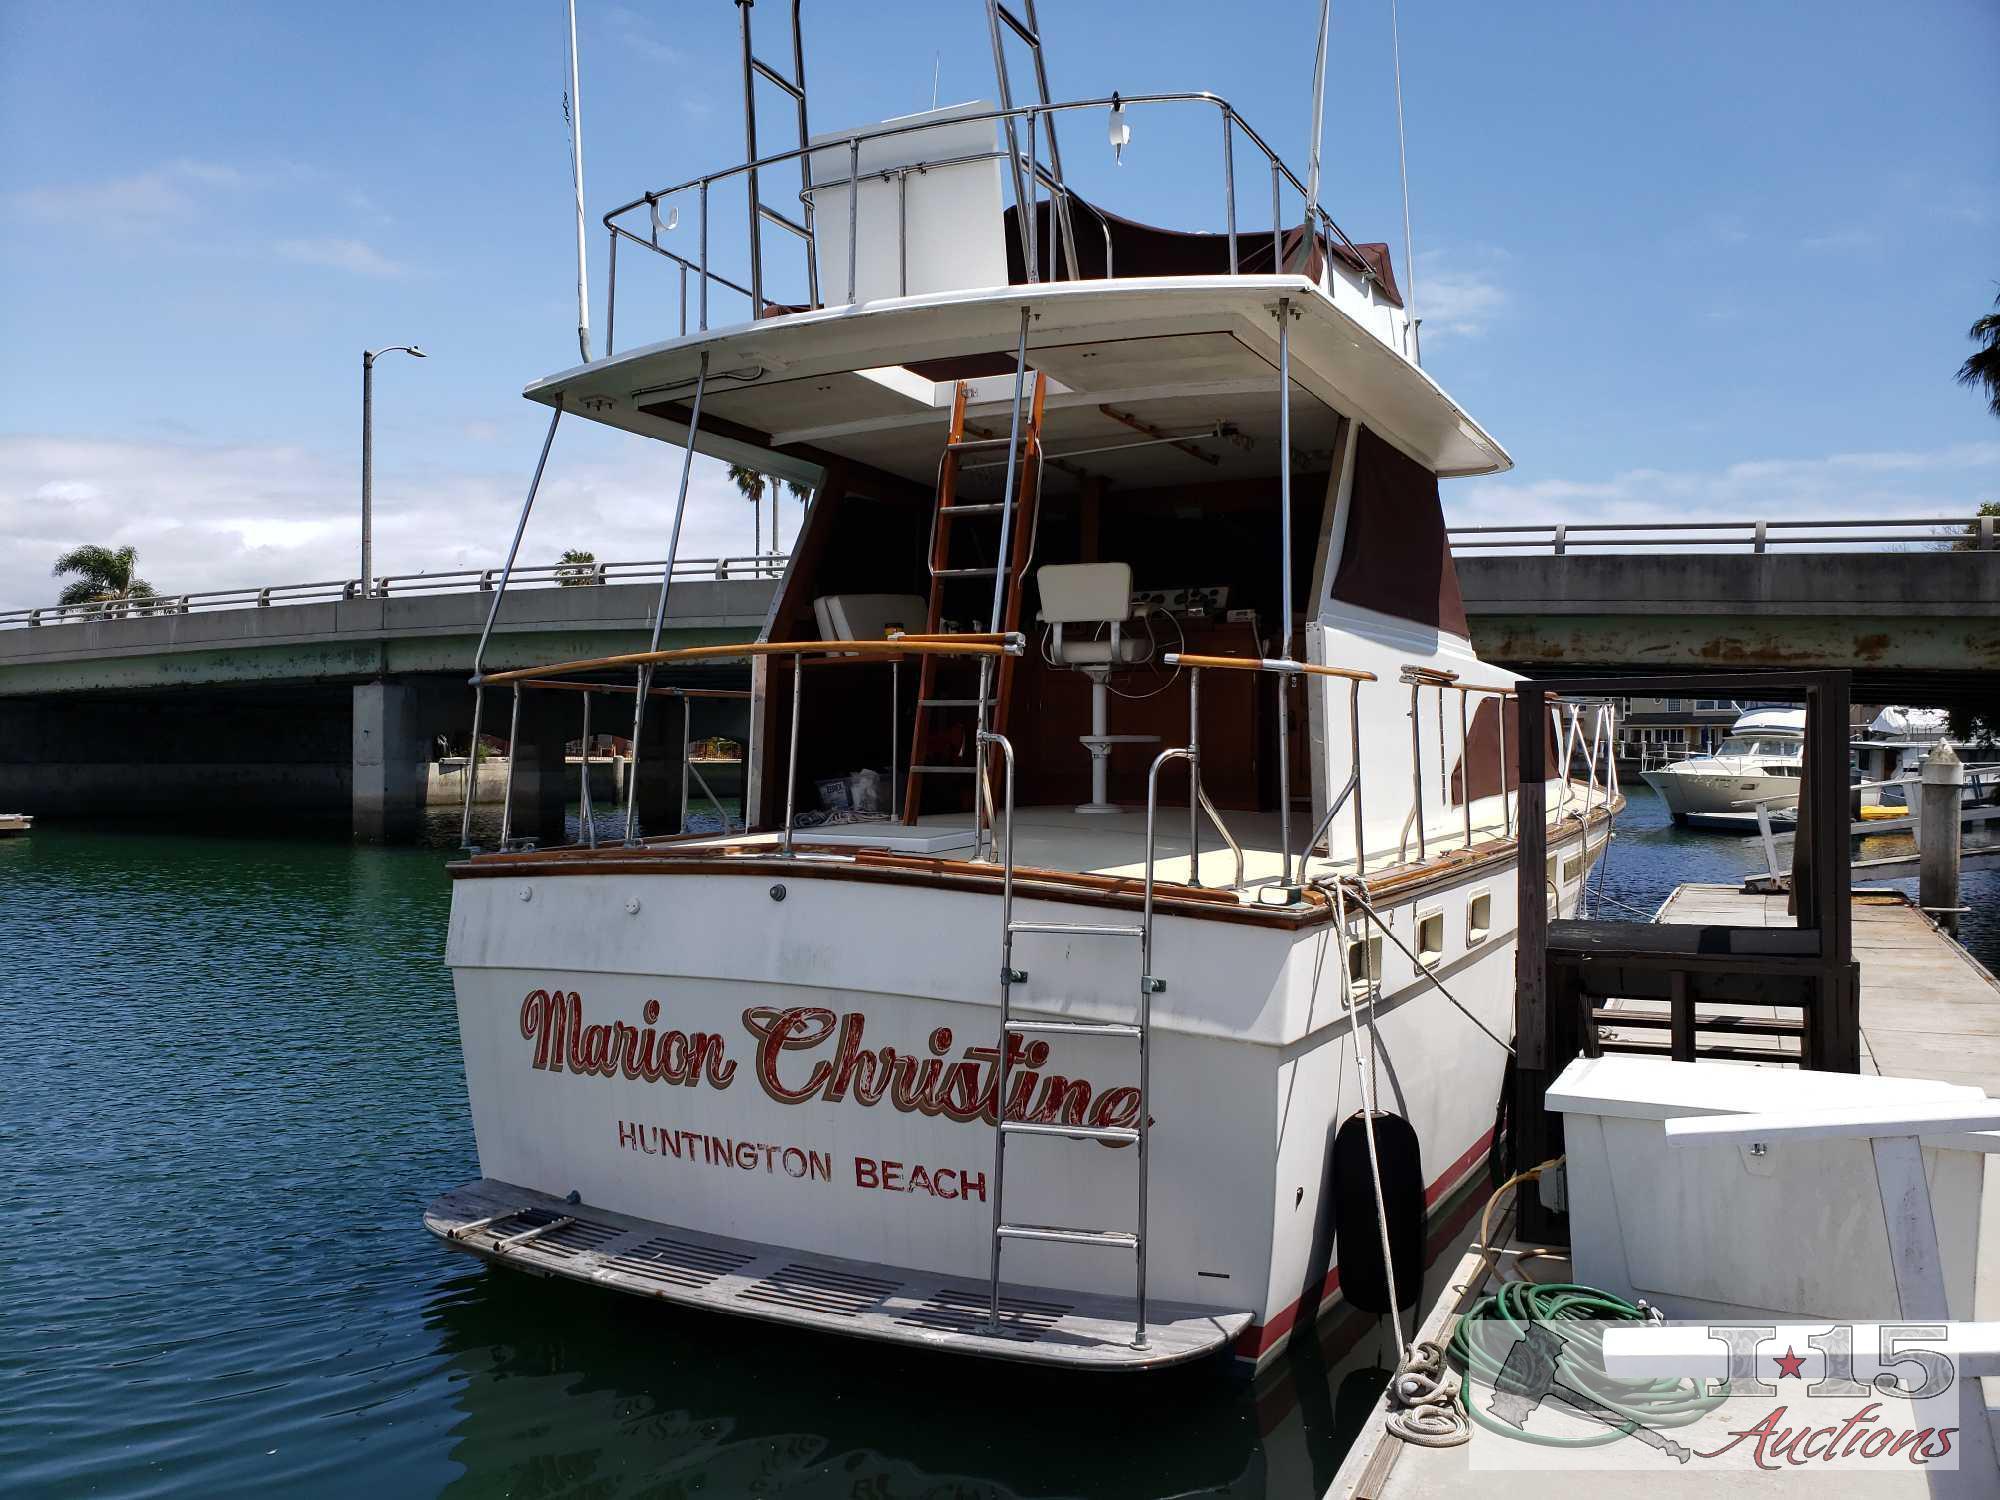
<point>1928,1010</point>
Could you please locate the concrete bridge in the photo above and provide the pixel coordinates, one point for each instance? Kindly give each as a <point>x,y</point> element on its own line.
<point>328,710</point>
<point>331,713</point>
<point>1913,627</point>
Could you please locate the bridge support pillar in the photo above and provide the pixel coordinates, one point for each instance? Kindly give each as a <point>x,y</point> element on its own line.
<point>661,754</point>
<point>391,763</point>
<point>543,783</point>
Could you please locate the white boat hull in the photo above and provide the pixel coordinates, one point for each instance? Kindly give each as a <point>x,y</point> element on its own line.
<point>816,1071</point>
<point>1687,792</point>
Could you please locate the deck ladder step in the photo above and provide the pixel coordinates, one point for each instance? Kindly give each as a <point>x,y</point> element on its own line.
<point>985,508</point>
<point>963,572</point>
<point>942,770</point>
<point>1075,1028</point>
<point>1124,1134</point>
<point>953,702</point>
<point>1076,929</point>
<point>1114,1239</point>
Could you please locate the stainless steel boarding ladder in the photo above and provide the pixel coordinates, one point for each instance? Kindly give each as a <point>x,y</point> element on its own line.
<point>1139,1031</point>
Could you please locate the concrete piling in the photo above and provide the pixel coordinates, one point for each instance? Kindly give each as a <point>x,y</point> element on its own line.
<point>1938,842</point>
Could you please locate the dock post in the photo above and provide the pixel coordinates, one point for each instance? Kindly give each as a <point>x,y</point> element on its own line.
<point>1938,836</point>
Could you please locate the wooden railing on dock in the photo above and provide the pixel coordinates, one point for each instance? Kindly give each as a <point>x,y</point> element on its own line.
<point>1568,971</point>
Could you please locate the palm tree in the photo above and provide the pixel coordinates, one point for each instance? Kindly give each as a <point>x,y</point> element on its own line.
<point>800,493</point>
<point>751,484</point>
<point>577,568</point>
<point>1983,367</point>
<point>104,576</point>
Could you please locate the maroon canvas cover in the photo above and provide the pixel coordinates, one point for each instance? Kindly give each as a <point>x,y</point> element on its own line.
<point>1396,557</point>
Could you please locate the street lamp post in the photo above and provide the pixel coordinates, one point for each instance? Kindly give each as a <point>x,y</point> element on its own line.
<point>368,358</point>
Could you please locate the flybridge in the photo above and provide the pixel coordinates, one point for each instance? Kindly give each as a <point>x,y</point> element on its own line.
<point>915,206</point>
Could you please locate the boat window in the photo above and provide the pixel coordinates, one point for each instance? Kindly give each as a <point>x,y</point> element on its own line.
<point>1479,918</point>
<point>1752,748</point>
<point>1430,937</point>
<point>1364,964</point>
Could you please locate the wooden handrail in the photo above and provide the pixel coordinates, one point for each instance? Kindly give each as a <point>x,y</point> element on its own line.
<point>621,687</point>
<point>939,646</point>
<point>988,637</point>
<point>1263,664</point>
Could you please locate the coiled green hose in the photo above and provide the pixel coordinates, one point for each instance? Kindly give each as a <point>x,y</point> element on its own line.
<point>1580,1367</point>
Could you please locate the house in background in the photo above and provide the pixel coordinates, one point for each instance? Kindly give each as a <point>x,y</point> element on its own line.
<point>1654,731</point>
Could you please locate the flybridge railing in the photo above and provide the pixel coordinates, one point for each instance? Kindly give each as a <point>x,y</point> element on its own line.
<point>768,566</point>
<point>624,222</point>
<point>1975,533</point>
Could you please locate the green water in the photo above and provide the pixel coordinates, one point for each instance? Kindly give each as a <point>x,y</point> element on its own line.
<point>230,1082</point>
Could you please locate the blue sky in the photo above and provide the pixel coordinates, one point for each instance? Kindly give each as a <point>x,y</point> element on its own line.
<point>1685,260</point>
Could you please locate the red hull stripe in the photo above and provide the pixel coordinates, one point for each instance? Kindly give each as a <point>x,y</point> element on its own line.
<point>1259,1337</point>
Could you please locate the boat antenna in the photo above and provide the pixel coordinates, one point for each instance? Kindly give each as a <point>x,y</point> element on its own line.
<point>1319,112</point>
<point>937,61</point>
<point>573,118</point>
<point>1403,161</point>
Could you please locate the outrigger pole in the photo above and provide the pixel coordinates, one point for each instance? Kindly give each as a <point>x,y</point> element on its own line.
<point>492,614</point>
<point>1319,114</point>
<point>645,670</point>
<point>574,101</point>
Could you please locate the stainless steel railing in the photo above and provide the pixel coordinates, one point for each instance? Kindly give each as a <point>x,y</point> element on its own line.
<point>1978,533</point>
<point>698,191</point>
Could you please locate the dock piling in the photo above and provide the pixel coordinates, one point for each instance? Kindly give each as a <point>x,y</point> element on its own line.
<point>1938,836</point>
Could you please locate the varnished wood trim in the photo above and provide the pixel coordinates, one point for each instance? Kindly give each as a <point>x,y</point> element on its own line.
<point>1408,883</point>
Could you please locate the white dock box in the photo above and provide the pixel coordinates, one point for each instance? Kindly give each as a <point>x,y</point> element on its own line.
<point>1792,1231</point>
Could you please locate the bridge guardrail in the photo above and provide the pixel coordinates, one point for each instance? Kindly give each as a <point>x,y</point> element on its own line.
<point>769,566</point>
<point>1980,533</point>
<point>1557,538</point>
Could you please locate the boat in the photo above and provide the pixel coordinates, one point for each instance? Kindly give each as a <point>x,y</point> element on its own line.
<point>15,825</point>
<point>1160,1012</point>
<point>1888,757</point>
<point>1758,761</point>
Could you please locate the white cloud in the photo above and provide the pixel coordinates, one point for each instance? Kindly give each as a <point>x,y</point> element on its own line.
<point>1941,482</point>
<point>1851,239</point>
<point>634,33</point>
<point>247,515</point>
<point>1460,292</point>
<point>143,201</point>
<point>337,254</point>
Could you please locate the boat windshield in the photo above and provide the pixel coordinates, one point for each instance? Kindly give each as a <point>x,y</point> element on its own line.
<point>1752,747</point>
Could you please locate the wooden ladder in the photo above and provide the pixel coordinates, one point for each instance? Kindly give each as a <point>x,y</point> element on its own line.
<point>950,571</point>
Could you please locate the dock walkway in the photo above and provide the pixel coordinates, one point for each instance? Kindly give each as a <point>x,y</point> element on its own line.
<point>1928,1010</point>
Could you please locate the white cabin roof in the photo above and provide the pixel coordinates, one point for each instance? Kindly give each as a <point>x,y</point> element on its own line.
<point>1181,353</point>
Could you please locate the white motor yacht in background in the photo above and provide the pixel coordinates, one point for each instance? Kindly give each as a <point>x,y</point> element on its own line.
<point>1759,761</point>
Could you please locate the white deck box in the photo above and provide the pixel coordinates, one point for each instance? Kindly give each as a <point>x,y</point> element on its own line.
<point>1794,1230</point>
